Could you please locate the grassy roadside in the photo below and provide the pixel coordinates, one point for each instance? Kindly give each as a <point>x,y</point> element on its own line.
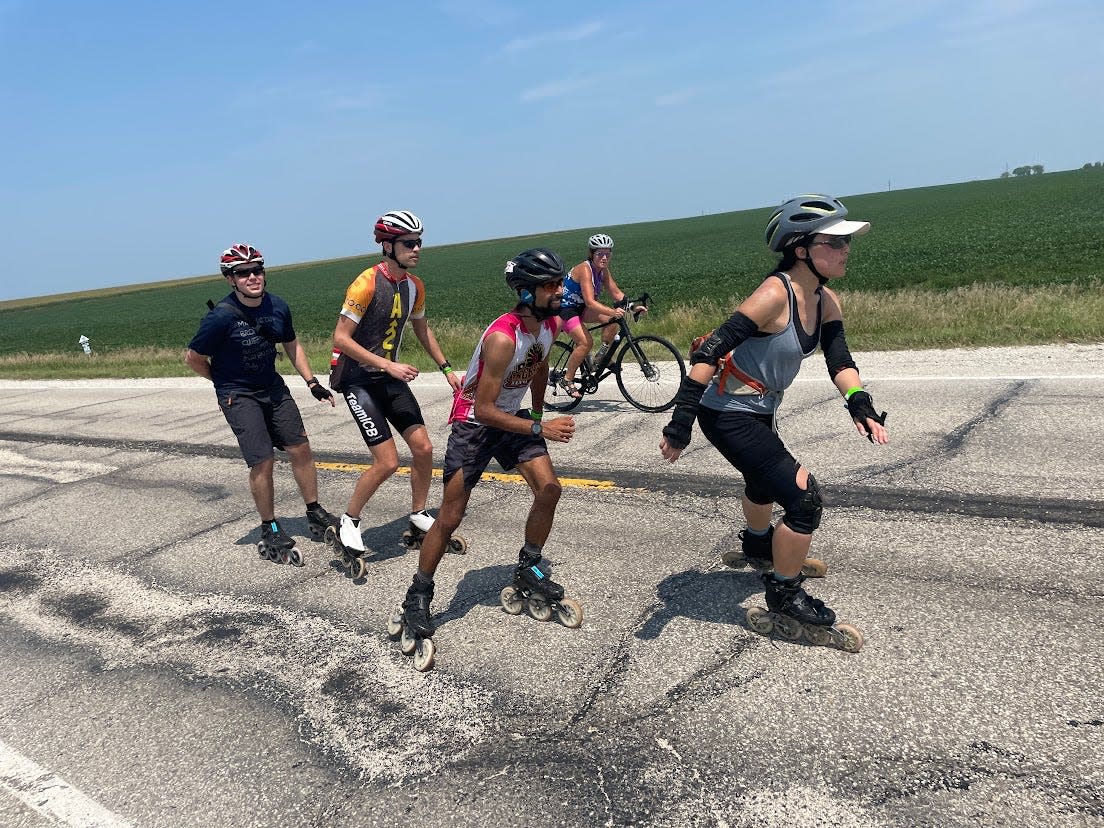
<point>975,316</point>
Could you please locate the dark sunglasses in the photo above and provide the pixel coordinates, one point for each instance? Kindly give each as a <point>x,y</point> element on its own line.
<point>836,242</point>
<point>410,244</point>
<point>246,272</point>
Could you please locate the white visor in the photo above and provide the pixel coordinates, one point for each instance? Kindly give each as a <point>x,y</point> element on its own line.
<point>845,228</point>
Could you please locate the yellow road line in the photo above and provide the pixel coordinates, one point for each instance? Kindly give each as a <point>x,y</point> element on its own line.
<point>572,482</point>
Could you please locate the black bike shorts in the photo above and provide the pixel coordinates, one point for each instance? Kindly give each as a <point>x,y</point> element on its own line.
<point>749,442</point>
<point>375,403</point>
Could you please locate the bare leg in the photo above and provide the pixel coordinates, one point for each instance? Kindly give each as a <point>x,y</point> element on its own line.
<point>583,343</point>
<point>385,462</point>
<point>790,548</point>
<point>302,467</point>
<point>264,494</point>
<point>758,516</point>
<point>541,477</point>
<point>421,465</point>
<point>453,504</point>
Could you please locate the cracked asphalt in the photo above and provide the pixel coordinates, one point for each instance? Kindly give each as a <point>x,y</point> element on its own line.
<point>158,666</point>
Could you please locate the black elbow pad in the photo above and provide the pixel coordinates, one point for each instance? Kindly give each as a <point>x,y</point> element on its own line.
<point>734,331</point>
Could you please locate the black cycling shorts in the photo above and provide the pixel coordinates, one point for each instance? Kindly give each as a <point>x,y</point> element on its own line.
<point>749,442</point>
<point>375,403</point>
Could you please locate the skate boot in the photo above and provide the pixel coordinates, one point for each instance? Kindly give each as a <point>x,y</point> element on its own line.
<point>277,545</point>
<point>793,613</point>
<point>534,589</point>
<point>345,540</point>
<point>320,523</point>
<point>755,551</point>
<point>413,625</point>
<point>419,524</point>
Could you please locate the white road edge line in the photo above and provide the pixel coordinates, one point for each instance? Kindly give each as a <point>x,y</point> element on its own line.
<point>50,795</point>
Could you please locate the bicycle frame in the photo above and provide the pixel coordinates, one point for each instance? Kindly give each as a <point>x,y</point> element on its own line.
<point>593,373</point>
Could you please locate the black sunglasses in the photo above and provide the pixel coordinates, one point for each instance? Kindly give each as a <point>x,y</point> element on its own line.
<point>246,272</point>
<point>836,242</point>
<point>410,244</point>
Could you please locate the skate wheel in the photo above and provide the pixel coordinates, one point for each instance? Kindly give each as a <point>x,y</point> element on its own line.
<point>816,635</point>
<point>330,537</point>
<point>357,568</point>
<point>262,550</point>
<point>408,539</point>
<point>511,601</point>
<point>789,628</point>
<point>295,557</point>
<point>395,624</point>
<point>407,641</point>
<point>848,638</point>
<point>814,568</point>
<point>569,613</point>
<point>457,545</point>
<point>759,620</point>
<point>539,607</point>
<point>423,655</point>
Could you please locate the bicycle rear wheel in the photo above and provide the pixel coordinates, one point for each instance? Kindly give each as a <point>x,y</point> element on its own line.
<point>650,370</point>
<point>555,398</point>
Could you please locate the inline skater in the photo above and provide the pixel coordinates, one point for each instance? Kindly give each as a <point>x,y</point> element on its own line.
<point>581,304</point>
<point>375,384</point>
<point>737,378</point>
<point>488,422</point>
<point>235,349</point>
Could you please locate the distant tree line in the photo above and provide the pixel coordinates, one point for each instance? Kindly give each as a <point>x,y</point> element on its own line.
<point>1026,169</point>
<point>1092,165</point>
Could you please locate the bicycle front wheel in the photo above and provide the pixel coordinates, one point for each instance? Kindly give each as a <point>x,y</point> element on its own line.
<point>650,370</point>
<point>555,398</point>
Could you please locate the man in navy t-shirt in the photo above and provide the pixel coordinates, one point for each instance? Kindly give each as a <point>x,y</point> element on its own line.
<point>235,348</point>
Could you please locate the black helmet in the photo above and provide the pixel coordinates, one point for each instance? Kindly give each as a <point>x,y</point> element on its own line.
<point>531,268</point>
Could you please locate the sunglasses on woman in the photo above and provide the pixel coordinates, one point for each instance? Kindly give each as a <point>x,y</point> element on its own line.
<point>835,242</point>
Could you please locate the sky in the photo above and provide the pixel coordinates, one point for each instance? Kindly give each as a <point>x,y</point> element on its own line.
<point>138,140</point>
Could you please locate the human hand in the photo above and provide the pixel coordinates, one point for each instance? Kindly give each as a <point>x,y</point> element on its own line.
<point>669,452</point>
<point>559,430</point>
<point>402,371</point>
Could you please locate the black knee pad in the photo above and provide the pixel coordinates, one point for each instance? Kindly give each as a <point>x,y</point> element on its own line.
<point>803,515</point>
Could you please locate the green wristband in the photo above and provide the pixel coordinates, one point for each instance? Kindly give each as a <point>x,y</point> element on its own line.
<point>446,369</point>
<point>536,415</point>
<point>851,391</point>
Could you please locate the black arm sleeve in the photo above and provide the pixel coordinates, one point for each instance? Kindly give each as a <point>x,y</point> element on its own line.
<point>734,331</point>
<point>834,343</point>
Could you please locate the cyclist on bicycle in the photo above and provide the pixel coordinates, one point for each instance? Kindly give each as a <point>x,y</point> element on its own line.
<point>582,289</point>
<point>749,362</point>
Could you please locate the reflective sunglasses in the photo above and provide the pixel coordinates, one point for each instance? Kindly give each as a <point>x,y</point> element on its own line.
<point>246,272</point>
<point>410,244</point>
<point>836,242</point>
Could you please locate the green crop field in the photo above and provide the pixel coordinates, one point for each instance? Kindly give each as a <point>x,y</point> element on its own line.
<point>1006,261</point>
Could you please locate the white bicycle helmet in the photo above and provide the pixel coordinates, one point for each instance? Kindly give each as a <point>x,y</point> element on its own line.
<point>239,254</point>
<point>600,241</point>
<point>397,223</point>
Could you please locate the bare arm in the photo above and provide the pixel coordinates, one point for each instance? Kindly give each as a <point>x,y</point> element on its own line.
<point>429,343</point>
<point>344,342</point>
<point>498,350</point>
<point>302,365</point>
<point>199,363</point>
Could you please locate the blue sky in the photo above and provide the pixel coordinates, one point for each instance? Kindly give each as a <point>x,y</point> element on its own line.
<point>140,139</point>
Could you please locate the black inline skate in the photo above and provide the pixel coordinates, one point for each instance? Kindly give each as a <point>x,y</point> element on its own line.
<point>534,589</point>
<point>793,613</point>
<point>755,551</point>
<point>345,542</point>
<point>277,545</point>
<point>319,521</point>
<point>413,625</point>
<point>420,522</point>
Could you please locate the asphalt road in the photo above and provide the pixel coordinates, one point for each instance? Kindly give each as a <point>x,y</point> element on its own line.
<point>157,673</point>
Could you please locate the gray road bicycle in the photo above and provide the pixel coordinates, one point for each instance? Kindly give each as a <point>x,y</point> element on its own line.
<point>649,369</point>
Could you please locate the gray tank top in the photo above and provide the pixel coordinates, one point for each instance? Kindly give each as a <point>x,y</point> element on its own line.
<point>771,360</point>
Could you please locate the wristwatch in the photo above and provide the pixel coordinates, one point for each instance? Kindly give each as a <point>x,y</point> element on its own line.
<point>536,429</point>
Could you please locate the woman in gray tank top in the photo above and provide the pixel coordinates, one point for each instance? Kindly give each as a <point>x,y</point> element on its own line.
<point>748,363</point>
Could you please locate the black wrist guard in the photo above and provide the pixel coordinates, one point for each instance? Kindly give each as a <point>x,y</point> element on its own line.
<point>318,390</point>
<point>860,406</point>
<point>687,401</point>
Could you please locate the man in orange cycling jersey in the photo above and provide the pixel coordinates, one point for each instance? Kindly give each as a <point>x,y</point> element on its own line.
<point>374,383</point>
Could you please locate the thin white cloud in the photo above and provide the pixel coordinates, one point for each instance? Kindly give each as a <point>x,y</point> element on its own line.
<point>555,89</point>
<point>580,32</point>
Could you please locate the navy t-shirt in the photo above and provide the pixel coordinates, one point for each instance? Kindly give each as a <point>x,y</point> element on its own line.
<point>242,359</point>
